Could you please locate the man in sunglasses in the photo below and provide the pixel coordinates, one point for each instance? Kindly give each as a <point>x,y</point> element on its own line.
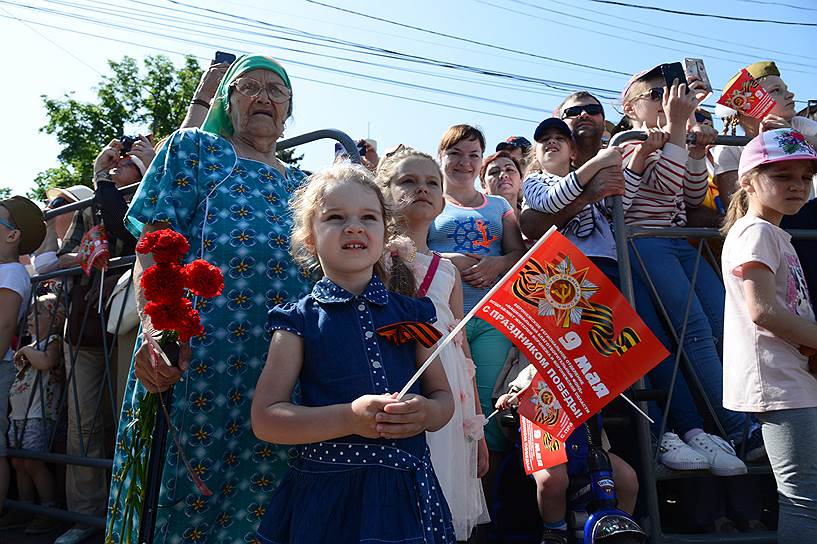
<point>584,114</point>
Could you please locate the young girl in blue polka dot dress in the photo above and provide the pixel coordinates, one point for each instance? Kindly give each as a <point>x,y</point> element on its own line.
<point>362,471</point>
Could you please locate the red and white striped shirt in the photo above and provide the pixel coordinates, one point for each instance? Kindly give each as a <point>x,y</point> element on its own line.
<point>670,182</point>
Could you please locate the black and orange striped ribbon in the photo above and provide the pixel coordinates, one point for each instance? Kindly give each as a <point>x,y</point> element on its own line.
<point>407,331</point>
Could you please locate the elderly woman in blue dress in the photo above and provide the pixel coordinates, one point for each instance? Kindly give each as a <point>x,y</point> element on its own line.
<point>225,190</point>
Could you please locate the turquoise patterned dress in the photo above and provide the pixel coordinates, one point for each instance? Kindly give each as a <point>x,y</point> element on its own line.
<point>235,214</point>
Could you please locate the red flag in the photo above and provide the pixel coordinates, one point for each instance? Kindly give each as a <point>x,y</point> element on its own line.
<point>540,449</point>
<point>570,321</point>
<point>540,406</point>
<point>746,96</point>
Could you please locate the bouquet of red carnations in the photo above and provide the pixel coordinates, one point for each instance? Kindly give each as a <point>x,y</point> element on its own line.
<point>167,287</point>
<point>164,284</point>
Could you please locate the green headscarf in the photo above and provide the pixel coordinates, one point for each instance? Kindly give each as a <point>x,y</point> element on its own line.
<point>218,120</point>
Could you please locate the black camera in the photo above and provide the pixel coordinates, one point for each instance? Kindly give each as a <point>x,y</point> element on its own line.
<point>127,144</point>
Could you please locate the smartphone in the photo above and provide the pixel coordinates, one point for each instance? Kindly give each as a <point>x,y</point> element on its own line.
<point>695,67</point>
<point>223,58</point>
<point>673,71</point>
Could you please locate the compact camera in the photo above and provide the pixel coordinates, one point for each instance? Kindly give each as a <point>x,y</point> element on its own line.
<point>127,144</point>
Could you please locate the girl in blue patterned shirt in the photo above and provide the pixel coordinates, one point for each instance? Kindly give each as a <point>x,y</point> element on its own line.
<point>362,472</point>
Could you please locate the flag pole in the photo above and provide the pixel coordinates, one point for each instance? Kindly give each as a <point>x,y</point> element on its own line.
<point>511,399</point>
<point>622,395</point>
<point>473,311</point>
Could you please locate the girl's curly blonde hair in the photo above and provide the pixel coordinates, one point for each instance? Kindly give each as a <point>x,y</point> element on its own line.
<point>308,198</point>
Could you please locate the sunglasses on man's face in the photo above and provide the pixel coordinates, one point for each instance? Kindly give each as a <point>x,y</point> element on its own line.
<point>589,109</point>
<point>700,117</point>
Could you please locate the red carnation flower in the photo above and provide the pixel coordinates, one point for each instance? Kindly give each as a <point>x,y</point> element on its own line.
<point>163,283</point>
<point>166,246</point>
<point>166,317</point>
<point>189,326</point>
<point>204,279</point>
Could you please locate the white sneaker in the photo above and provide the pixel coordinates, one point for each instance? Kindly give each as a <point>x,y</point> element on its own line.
<point>675,454</point>
<point>75,535</point>
<point>722,458</point>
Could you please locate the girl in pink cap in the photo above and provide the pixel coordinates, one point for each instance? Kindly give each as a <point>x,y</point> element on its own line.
<point>770,333</point>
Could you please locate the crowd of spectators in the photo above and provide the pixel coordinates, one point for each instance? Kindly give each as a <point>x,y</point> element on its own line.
<point>70,372</point>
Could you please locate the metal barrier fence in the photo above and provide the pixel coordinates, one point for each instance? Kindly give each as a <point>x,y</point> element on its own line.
<point>104,396</point>
<point>651,473</point>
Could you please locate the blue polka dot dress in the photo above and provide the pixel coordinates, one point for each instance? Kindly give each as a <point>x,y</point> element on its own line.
<point>354,489</point>
<point>234,212</point>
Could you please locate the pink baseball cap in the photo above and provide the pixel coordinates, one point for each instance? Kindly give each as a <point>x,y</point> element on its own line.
<point>783,144</point>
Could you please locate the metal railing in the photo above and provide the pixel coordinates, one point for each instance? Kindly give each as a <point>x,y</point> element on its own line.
<point>648,451</point>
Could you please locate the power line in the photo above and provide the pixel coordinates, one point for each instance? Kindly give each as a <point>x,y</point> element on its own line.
<point>368,50</point>
<point>792,6</point>
<point>685,32</point>
<point>625,38</point>
<point>288,61</point>
<point>708,15</point>
<point>467,40</point>
<point>378,51</point>
<point>46,38</point>
<point>133,14</point>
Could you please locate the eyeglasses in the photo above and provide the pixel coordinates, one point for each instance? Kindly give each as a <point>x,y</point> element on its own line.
<point>655,94</point>
<point>56,203</point>
<point>589,109</point>
<point>700,117</point>
<point>250,87</point>
<point>7,224</point>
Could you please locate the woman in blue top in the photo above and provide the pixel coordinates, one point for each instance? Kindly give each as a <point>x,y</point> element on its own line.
<point>480,235</point>
<point>363,471</point>
<point>224,189</point>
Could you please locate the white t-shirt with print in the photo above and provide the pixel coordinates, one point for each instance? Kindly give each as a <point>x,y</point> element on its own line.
<point>14,276</point>
<point>762,372</point>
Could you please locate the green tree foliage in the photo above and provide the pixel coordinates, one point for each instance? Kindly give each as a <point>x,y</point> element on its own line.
<point>288,156</point>
<point>155,95</point>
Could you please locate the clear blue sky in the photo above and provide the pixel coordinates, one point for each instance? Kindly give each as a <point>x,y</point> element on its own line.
<point>50,56</point>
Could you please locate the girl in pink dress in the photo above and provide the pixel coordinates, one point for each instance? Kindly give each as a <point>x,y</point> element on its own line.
<point>413,182</point>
